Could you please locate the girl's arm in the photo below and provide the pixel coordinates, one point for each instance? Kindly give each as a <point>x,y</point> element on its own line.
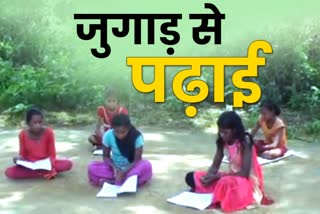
<point>277,139</point>
<point>22,147</point>
<point>99,118</point>
<point>99,123</point>
<point>51,154</point>
<point>255,129</point>
<point>212,173</point>
<point>100,129</point>
<point>137,158</point>
<point>51,147</point>
<point>216,160</point>
<point>106,156</point>
<point>124,111</point>
<point>246,162</point>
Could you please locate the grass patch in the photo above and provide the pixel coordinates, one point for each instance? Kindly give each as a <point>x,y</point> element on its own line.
<point>300,125</point>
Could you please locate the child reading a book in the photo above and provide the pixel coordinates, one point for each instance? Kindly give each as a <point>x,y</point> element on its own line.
<point>104,117</point>
<point>243,184</point>
<point>275,143</point>
<point>125,143</point>
<point>36,143</point>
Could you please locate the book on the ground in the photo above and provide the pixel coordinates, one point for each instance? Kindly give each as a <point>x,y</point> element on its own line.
<point>44,164</point>
<point>194,200</point>
<point>98,152</point>
<point>263,161</point>
<point>109,190</point>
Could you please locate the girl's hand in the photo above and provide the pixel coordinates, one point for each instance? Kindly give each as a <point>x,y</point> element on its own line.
<point>49,175</point>
<point>15,159</point>
<point>268,147</point>
<point>115,171</point>
<point>119,175</point>
<point>208,179</point>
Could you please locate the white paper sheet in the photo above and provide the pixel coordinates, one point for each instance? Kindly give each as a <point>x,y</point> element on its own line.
<point>109,190</point>
<point>98,152</point>
<point>193,200</point>
<point>263,161</point>
<point>130,185</point>
<point>41,164</point>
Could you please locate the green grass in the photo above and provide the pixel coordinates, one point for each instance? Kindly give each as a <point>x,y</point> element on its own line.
<point>299,125</point>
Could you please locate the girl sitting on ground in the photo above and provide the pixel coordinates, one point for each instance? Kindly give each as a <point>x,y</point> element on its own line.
<point>36,143</point>
<point>105,115</point>
<point>242,185</point>
<point>275,143</point>
<point>125,143</point>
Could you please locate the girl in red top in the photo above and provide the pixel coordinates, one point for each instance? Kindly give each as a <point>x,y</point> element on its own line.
<point>37,143</point>
<point>105,115</point>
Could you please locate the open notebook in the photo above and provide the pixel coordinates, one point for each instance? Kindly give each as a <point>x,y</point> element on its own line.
<point>263,161</point>
<point>44,164</point>
<point>109,190</point>
<point>194,200</point>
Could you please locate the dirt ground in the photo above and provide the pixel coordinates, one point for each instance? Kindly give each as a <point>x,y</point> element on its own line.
<point>292,182</point>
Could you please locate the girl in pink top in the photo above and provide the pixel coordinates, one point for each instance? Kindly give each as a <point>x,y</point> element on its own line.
<point>242,185</point>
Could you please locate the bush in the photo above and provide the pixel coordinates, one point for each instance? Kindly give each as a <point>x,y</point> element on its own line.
<point>36,67</point>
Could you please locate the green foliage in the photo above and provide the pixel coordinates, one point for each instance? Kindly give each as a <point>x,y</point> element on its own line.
<point>300,74</point>
<point>16,112</point>
<point>17,109</point>
<point>313,127</point>
<point>252,116</point>
<point>36,68</point>
<point>314,98</point>
<point>173,104</point>
<point>308,101</point>
<point>70,118</point>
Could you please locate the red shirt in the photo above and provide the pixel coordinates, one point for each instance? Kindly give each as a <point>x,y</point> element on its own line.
<point>107,115</point>
<point>34,150</point>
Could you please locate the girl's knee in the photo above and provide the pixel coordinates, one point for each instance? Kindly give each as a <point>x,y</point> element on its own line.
<point>90,168</point>
<point>190,179</point>
<point>9,173</point>
<point>146,168</point>
<point>63,165</point>
<point>283,150</point>
<point>274,153</point>
<point>93,140</point>
<point>68,165</point>
<point>146,165</point>
<point>266,155</point>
